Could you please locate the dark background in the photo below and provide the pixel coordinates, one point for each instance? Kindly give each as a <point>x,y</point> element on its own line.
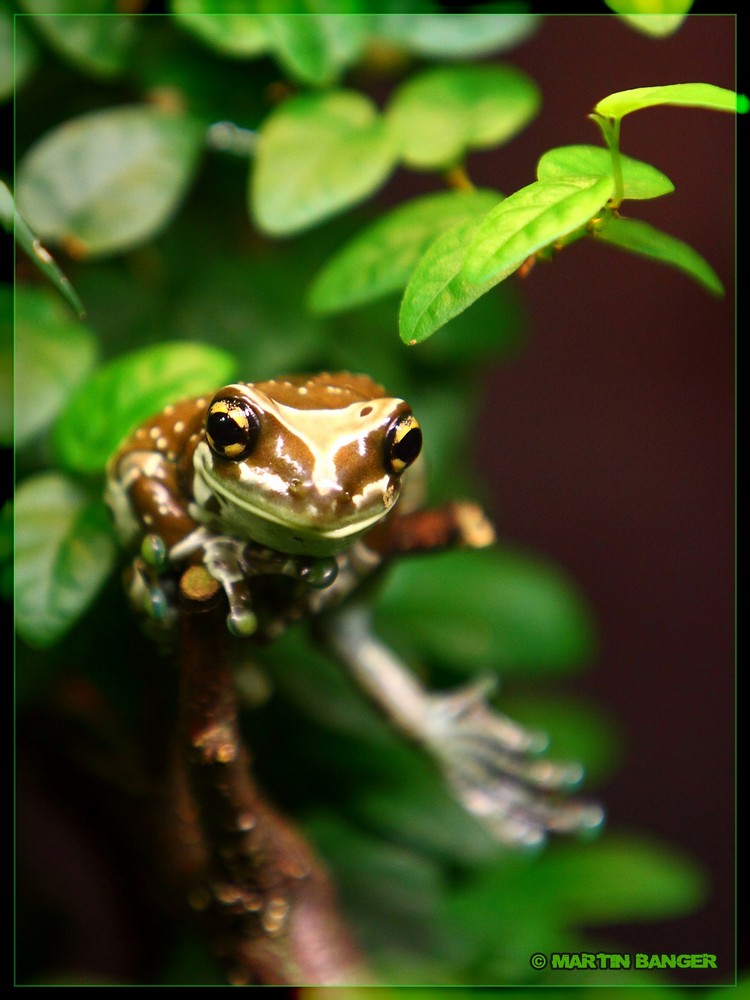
<point>609,442</point>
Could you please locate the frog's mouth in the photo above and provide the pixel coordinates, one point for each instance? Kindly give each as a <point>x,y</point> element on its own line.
<point>239,513</point>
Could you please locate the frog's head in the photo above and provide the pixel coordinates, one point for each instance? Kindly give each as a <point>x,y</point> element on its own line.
<point>303,465</point>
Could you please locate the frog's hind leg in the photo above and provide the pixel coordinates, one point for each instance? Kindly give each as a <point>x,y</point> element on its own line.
<point>491,764</point>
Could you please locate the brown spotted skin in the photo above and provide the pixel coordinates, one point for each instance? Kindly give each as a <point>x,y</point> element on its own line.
<point>159,499</point>
<point>324,391</point>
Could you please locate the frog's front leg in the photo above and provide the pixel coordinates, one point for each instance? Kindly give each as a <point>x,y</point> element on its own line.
<point>491,764</point>
<point>149,509</point>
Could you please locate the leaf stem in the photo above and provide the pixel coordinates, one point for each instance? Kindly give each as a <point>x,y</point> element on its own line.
<point>610,129</point>
<point>458,178</point>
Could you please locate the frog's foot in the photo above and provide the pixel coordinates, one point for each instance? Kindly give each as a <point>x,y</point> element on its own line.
<point>223,558</point>
<point>232,563</point>
<point>492,766</point>
<point>151,597</point>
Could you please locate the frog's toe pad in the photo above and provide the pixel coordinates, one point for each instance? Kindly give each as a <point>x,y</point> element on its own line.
<point>493,767</point>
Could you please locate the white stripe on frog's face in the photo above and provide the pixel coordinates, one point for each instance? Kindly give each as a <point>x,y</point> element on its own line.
<point>326,432</point>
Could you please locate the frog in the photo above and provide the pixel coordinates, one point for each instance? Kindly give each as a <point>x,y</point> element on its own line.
<point>295,494</point>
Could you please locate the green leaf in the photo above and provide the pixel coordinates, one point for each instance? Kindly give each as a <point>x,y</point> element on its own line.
<point>659,18</point>
<point>346,32</point>
<point>64,552</point>
<point>6,551</point>
<point>530,219</point>
<point>441,113</point>
<point>619,879</point>
<point>494,326</point>
<point>457,36</point>
<point>313,48</point>
<point>519,903</point>
<point>569,163</point>
<point>686,95</point>
<point>125,392</point>
<point>639,237</point>
<point>380,259</point>
<point>317,155</point>
<point>95,37</point>
<point>386,890</point>
<point>224,25</point>
<point>488,609</point>
<point>13,223</point>
<point>54,354</point>
<point>437,290</point>
<point>109,180</point>
<point>6,365</point>
<point>411,805</point>
<point>299,43</point>
<point>16,63</point>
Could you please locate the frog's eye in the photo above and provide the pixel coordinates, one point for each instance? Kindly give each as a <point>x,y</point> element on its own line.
<point>232,428</point>
<point>403,442</point>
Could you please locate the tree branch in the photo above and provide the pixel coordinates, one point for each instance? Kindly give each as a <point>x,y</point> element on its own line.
<point>266,898</point>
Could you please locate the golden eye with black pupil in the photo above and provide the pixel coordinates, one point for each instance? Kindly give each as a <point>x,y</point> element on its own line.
<point>232,428</point>
<point>403,443</point>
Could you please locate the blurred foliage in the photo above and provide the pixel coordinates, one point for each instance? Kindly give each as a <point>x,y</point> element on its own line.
<point>161,158</point>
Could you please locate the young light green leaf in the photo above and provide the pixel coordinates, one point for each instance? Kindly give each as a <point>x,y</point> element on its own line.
<point>102,183</point>
<point>12,222</point>
<point>379,260</point>
<point>16,62</point>
<point>571,163</point>
<point>532,218</point>
<point>639,237</point>
<point>442,112</point>
<point>437,290</point>
<point>658,18</point>
<point>317,155</point>
<point>65,550</point>
<point>227,26</point>
<point>95,37</point>
<point>456,36</point>
<point>530,619</point>
<point>687,95</point>
<point>54,354</point>
<point>128,390</point>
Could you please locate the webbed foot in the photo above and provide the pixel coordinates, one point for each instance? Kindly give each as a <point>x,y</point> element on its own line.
<point>491,763</point>
<point>493,767</point>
